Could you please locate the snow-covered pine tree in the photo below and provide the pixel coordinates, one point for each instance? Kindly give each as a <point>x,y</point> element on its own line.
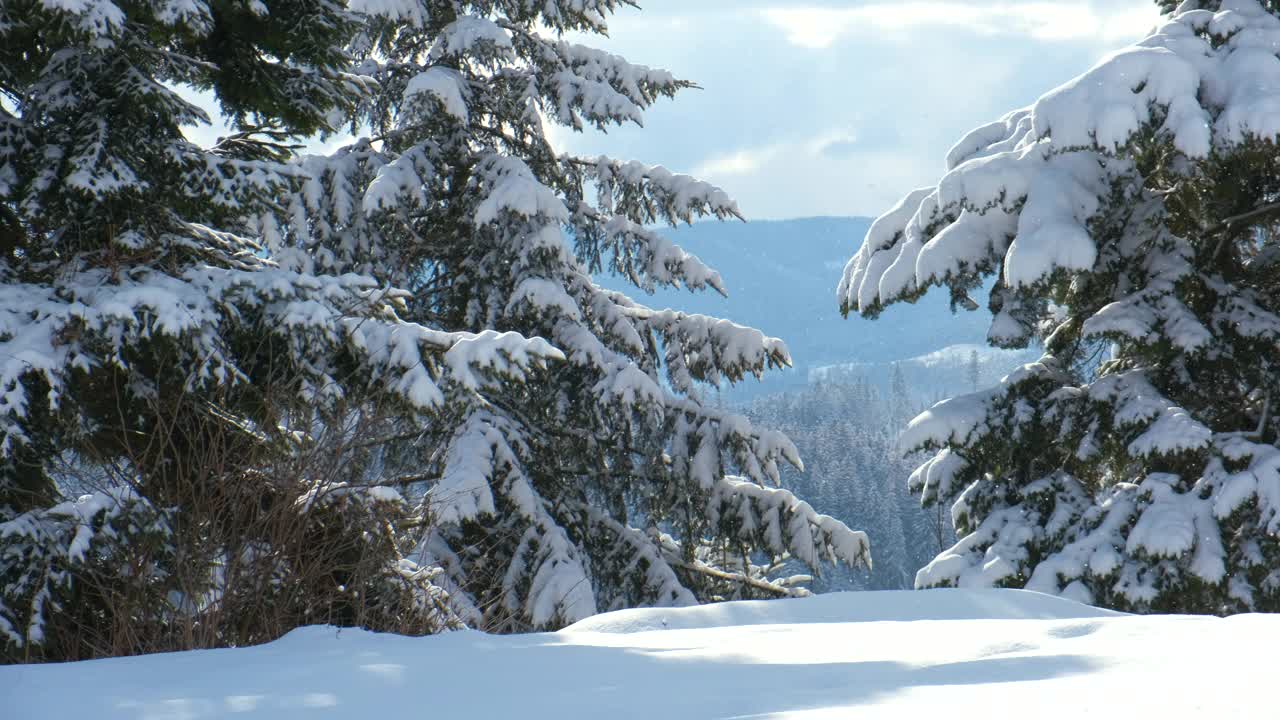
<point>160,370</point>
<point>607,482</point>
<point>1130,219</point>
<point>900,403</point>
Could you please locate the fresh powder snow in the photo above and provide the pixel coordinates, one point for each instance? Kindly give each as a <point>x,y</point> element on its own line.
<point>962,653</point>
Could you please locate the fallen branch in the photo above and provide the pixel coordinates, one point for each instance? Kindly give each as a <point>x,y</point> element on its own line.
<point>732,577</point>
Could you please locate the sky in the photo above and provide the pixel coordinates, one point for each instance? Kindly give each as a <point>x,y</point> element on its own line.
<point>840,108</point>
<point>834,107</point>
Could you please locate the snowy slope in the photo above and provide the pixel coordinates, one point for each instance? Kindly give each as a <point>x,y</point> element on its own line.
<point>938,374</point>
<point>971,654</point>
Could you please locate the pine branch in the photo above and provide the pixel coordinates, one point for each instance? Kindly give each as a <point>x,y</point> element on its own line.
<point>1234,220</point>
<point>709,571</point>
<point>1255,434</point>
<point>389,439</point>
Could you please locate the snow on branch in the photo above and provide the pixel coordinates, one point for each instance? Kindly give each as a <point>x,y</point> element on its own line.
<point>1020,194</point>
<point>582,83</point>
<point>646,258</point>
<point>41,548</point>
<point>88,321</point>
<point>645,566</point>
<point>778,521</point>
<point>651,193</point>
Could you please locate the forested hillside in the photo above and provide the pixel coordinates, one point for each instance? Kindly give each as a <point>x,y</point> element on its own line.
<point>846,431</point>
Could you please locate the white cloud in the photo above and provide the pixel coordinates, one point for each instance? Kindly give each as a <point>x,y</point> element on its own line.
<point>793,183</point>
<point>747,161</point>
<point>739,162</point>
<point>847,131</point>
<point>859,178</point>
<point>820,27</point>
<point>823,143</point>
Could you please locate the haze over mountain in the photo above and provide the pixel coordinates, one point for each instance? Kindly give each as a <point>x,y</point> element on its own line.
<point>782,276</point>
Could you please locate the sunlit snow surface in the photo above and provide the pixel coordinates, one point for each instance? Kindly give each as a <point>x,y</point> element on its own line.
<point>942,653</point>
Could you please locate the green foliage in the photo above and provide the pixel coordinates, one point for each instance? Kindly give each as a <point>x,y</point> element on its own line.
<point>602,484</point>
<point>156,360</point>
<point>1137,464</point>
<point>243,390</point>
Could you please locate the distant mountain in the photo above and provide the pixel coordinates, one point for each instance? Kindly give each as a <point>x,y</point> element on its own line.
<point>782,278</point>
<point>934,376</point>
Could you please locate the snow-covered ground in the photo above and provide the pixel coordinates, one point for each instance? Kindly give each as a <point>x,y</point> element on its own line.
<point>942,653</point>
<point>935,375</point>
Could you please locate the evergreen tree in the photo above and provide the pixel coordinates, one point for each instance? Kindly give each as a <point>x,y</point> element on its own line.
<point>606,482</point>
<point>164,375</point>
<point>900,404</point>
<point>1129,217</point>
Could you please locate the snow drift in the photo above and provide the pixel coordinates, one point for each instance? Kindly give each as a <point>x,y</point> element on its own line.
<point>965,654</point>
